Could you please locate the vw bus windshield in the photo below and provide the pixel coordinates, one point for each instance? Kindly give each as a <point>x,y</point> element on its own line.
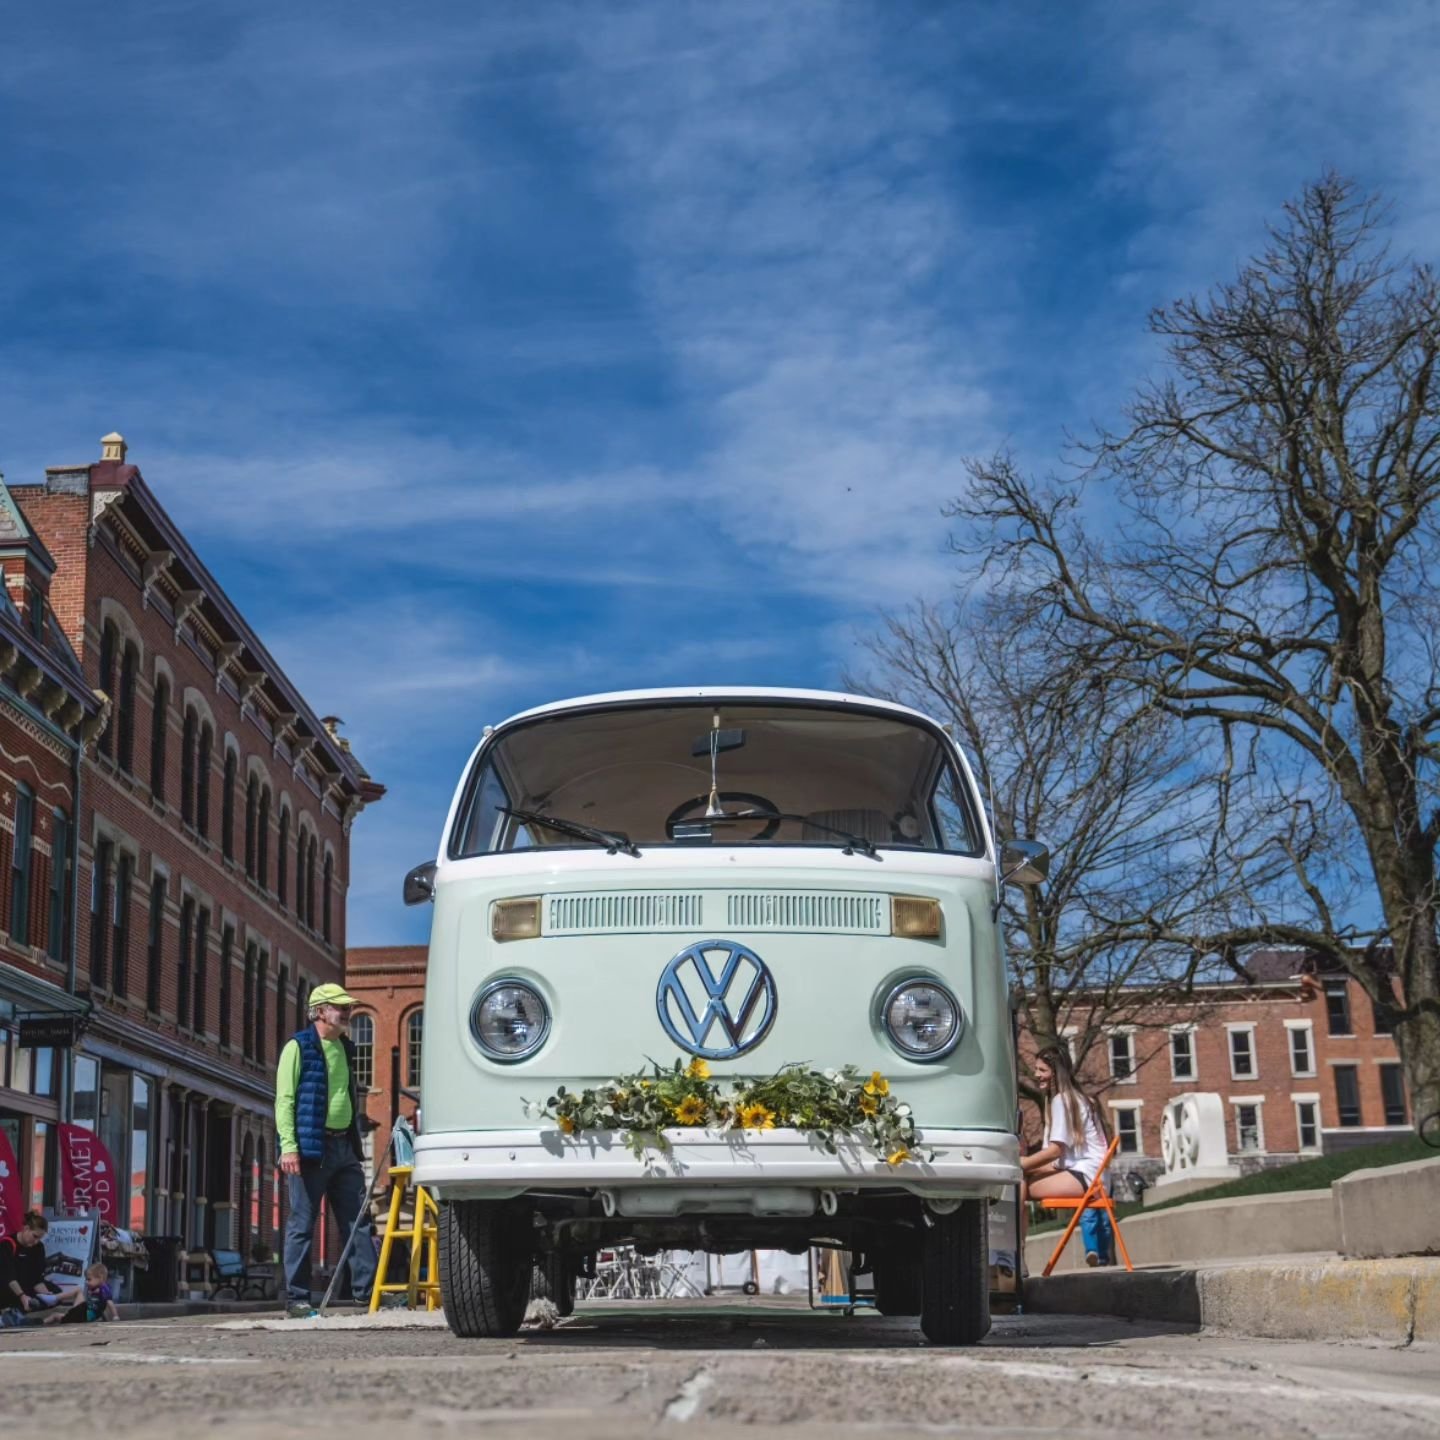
<point>780,775</point>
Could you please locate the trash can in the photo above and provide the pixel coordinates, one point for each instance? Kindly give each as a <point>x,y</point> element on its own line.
<point>160,1280</point>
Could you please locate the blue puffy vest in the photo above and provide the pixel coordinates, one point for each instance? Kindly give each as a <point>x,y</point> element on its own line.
<point>312,1096</point>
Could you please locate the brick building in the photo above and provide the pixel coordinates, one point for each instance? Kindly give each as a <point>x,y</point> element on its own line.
<point>47,712</point>
<point>1295,1053</point>
<point>212,859</point>
<point>388,985</point>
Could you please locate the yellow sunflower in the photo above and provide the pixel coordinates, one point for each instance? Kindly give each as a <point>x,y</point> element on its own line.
<point>869,1105</point>
<point>566,1124</point>
<point>757,1117</point>
<point>878,1085</point>
<point>620,1099</point>
<point>898,1157</point>
<point>690,1111</point>
<point>698,1069</point>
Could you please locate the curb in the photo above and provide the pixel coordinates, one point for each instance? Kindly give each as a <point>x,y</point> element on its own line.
<point>176,1309</point>
<point>1394,1302</point>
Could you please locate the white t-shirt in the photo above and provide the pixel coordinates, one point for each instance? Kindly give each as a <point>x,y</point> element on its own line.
<point>1084,1154</point>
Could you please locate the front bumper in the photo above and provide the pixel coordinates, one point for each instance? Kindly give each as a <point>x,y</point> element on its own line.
<point>496,1164</point>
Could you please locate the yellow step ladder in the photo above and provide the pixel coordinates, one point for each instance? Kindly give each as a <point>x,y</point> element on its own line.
<point>424,1236</point>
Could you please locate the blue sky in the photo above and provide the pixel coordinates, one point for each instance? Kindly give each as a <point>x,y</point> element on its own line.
<point>491,353</point>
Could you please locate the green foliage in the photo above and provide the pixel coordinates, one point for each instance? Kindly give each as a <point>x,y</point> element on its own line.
<point>833,1105</point>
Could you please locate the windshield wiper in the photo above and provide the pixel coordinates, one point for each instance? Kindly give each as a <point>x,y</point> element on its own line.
<point>612,840</point>
<point>852,841</point>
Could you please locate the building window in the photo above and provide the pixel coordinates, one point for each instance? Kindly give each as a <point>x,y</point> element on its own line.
<point>329,880</point>
<point>262,993</point>
<point>155,943</point>
<point>362,1036</point>
<point>262,842</point>
<point>187,936</point>
<point>1382,1023</point>
<point>310,884</point>
<point>1182,1054</point>
<point>1122,1056</point>
<point>252,804</point>
<point>1248,1132</point>
<point>227,808</point>
<point>1347,1095</point>
<point>1337,1007</point>
<point>62,878</point>
<point>99,912</point>
<point>202,965</point>
<point>139,1151</point>
<point>109,644</point>
<point>125,752</point>
<point>300,876</point>
<point>282,857</point>
<point>247,1013</point>
<point>1302,1055</point>
<point>20,863</point>
<point>1127,1129</point>
<point>302,1010</point>
<point>1242,1052</point>
<point>187,767</point>
<point>1392,1095</point>
<point>227,956</point>
<point>159,735</point>
<point>282,991</point>
<point>202,780</point>
<point>120,925</point>
<point>1307,1124</point>
<point>414,1038</point>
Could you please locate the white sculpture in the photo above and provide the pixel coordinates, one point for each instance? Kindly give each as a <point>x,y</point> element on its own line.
<point>1194,1144</point>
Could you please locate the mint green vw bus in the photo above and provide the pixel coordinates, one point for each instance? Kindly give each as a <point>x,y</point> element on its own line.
<point>726,891</point>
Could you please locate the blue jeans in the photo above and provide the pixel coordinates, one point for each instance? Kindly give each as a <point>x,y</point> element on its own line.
<point>340,1179</point>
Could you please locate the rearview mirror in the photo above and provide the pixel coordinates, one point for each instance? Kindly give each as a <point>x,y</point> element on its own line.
<point>420,884</point>
<point>1024,862</point>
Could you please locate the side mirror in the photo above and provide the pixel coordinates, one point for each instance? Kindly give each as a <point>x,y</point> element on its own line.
<point>1024,862</point>
<point>420,884</point>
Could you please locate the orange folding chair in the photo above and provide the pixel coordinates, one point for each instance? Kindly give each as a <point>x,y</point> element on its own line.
<point>1096,1197</point>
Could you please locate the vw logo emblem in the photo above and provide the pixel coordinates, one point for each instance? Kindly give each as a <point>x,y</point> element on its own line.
<point>716,982</point>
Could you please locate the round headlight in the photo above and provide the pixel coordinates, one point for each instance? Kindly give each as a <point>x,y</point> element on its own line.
<point>510,1020</point>
<point>923,1019</point>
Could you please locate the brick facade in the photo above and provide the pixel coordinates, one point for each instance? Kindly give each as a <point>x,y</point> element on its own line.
<point>213,859</point>
<point>388,986</point>
<point>1250,1044</point>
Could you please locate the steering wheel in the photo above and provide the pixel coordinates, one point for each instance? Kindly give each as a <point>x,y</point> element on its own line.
<point>684,811</point>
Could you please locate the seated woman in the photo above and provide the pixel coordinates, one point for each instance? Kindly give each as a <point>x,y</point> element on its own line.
<point>1075,1142</point>
<point>24,1288</point>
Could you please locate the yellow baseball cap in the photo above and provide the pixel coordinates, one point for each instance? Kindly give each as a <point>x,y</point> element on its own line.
<point>330,995</point>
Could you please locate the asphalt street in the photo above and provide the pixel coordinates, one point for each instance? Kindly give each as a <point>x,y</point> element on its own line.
<point>716,1368</point>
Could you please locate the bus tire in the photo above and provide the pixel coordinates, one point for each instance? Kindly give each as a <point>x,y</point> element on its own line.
<point>955,1307</point>
<point>484,1266</point>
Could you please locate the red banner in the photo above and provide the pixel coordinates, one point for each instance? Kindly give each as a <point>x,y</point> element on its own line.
<point>87,1174</point>
<point>12,1199</point>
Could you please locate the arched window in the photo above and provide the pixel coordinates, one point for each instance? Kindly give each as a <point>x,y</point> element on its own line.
<point>109,645</point>
<point>362,1036</point>
<point>300,845</point>
<point>57,932</point>
<point>262,844</point>
<point>20,861</point>
<point>202,780</point>
<point>129,663</point>
<point>252,806</point>
<point>414,1037</point>
<point>310,884</point>
<point>329,880</point>
<point>227,807</point>
<point>187,767</point>
<point>282,857</point>
<point>159,734</point>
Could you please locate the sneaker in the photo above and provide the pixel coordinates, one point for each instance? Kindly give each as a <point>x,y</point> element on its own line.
<point>1092,1258</point>
<point>300,1310</point>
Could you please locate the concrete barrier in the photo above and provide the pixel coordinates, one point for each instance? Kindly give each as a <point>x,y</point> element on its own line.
<point>1297,1222</point>
<point>1393,1210</point>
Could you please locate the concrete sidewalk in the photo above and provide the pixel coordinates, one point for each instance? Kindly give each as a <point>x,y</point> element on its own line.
<point>1286,1297</point>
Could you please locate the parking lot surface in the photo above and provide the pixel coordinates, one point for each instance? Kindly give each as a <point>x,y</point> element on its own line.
<point>718,1368</point>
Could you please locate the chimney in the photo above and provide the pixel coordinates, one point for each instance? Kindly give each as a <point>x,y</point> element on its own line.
<point>113,447</point>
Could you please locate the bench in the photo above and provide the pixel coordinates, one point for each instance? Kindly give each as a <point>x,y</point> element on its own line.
<point>233,1274</point>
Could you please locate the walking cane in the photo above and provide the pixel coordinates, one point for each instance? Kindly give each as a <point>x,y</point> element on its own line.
<point>363,1214</point>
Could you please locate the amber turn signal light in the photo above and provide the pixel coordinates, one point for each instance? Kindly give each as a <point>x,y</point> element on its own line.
<point>914,917</point>
<point>515,919</point>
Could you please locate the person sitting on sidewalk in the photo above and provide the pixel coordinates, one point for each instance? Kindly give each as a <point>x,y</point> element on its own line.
<point>24,1288</point>
<point>87,1303</point>
<point>317,1118</point>
<point>1073,1150</point>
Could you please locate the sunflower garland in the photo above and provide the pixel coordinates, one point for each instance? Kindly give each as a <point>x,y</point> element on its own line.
<point>832,1105</point>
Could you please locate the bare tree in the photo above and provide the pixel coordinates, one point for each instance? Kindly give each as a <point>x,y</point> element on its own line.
<point>1257,554</point>
<point>1104,777</point>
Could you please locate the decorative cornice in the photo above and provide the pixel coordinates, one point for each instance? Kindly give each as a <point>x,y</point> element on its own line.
<point>100,502</point>
<point>156,563</point>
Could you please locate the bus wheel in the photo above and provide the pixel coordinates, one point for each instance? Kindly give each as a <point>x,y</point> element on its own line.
<point>484,1266</point>
<point>955,1308</point>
